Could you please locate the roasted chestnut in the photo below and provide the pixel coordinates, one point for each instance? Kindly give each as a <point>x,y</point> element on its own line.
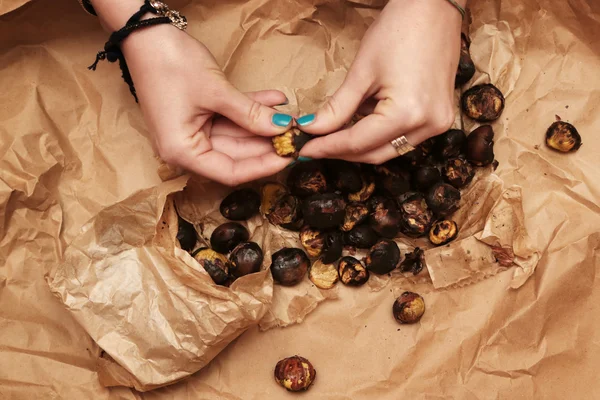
<point>307,178</point>
<point>413,262</point>
<point>271,193</point>
<point>466,67</point>
<point>443,199</point>
<point>215,264</point>
<point>480,146</point>
<point>246,258</point>
<point>352,272</point>
<point>286,212</point>
<point>334,245</point>
<point>392,178</point>
<point>408,308</point>
<point>289,266</point>
<point>383,257</point>
<point>295,373</point>
<point>295,226</point>
<point>416,216</point>
<point>186,234</point>
<point>323,275</point>
<point>366,190</point>
<point>458,172</point>
<point>563,137</point>
<point>240,205</point>
<point>345,176</point>
<point>384,217</point>
<point>425,177</point>
<point>356,213</point>
<point>443,232</point>
<point>228,235</point>
<point>361,237</point>
<point>450,143</point>
<point>290,143</point>
<point>483,103</point>
<point>413,158</point>
<point>324,211</point>
<point>313,241</point>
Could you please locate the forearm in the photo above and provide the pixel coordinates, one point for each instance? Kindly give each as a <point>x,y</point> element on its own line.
<point>113,14</point>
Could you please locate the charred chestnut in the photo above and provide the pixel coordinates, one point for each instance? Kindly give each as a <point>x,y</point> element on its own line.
<point>392,178</point>
<point>324,211</point>
<point>458,172</point>
<point>313,241</point>
<point>186,234</point>
<point>306,179</point>
<point>384,217</point>
<point>408,308</point>
<point>383,257</point>
<point>416,216</point>
<point>323,275</point>
<point>450,144</point>
<point>356,213</point>
<point>345,176</point>
<point>215,264</point>
<point>334,245</point>
<point>295,373</point>
<point>413,159</point>
<point>563,137</point>
<point>286,212</point>
<point>443,199</point>
<point>228,235</point>
<point>466,67</point>
<point>361,237</point>
<point>246,258</point>
<point>483,103</point>
<point>290,143</point>
<point>240,205</point>
<point>414,261</point>
<point>271,193</point>
<point>352,272</point>
<point>425,177</point>
<point>366,190</point>
<point>289,265</point>
<point>480,146</point>
<point>443,232</point>
<point>297,225</point>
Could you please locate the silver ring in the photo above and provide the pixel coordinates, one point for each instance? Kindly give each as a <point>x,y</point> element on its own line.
<point>401,145</point>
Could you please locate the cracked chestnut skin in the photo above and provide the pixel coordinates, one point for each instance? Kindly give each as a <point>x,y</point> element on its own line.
<point>483,103</point>
<point>367,189</point>
<point>564,137</point>
<point>383,257</point>
<point>443,199</point>
<point>408,308</point>
<point>384,217</point>
<point>289,266</point>
<point>458,172</point>
<point>228,235</point>
<point>324,211</point>
<point>356,214</point>
<point>443,232</point>
<point>480,146</point>
<point>290,143</point>
<point>240,205</point>
<point>313,241</point>
<point>286,211</point>
<point>215,264</point>
<point>245,259</point>
<point>306,179</point>
<point>186,234</point>
<point>295,373</point>
<point>414,261</point>
<point>352,272</point>
<point>416,216</point>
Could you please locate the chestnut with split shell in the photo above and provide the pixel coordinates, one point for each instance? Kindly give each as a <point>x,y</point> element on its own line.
<point>295,373</point>
<point>483,103</point>
<point>562,136</point>
<point>352,272</point>
<point>408,308</point>
<point>215,264</point>
<point>383,257</point>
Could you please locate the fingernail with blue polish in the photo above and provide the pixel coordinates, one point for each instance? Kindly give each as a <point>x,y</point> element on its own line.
<point>306,120</point>
<point>285,103</point>
<point>304,159</point>
<point>281,119</point>
<point>290,165</point>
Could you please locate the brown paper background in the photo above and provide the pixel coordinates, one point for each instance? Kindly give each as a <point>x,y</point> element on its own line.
<point>63,130</point>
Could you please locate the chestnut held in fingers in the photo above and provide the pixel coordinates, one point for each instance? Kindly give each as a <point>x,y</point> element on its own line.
<point>414,261</point>
<point>324,211</point>
<point>466,67</point>
<point>295,373</point>
<point>408,308</point>
<point>290,143</point>
<point>271,193</point>
<point>356,213</point>
<point>361,237</point>
<point>367,189</point>
<point>289,265</point>
<point>246,258</point>
<point>186,234</point>
<point>483,103</point>
<point>425,177</point>
<point>450,143</point>
<point>344,175</point>
<point>215,264</point>
<point>563,137</point>
<point>383,257</point>
<point>240,205</point>
<point>228,235</point>
<point>352,272</point>
<point>313,241</point>
<point>416,216</point>
<point>480,146</point>
<point>306,179</point>
<point>443,232</point>
<point>458,172</point>
<point>443,199</point>
<point>384,217</point>
<point>286,211</point>
<point>323,275</point>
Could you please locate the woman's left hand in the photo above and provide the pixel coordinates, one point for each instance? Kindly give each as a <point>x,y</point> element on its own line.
<point>402,79</point>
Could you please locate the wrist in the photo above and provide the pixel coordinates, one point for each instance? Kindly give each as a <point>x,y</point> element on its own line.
<point>113,14</point>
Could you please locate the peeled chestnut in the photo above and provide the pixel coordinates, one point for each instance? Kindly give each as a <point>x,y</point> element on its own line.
<point>416,216</point>
<point>352,272</point>
<point>323,275</point>
<point>246,258</point>
<point>228,235</point>
<point>334,245</point>
<point>295,373</point>
<point>563,137</point>
<point>483,103</point>
<point>458,172</point>
<point>443,232</point>
<point>356,213</point>
<point>215,264</point>
<point>307,178</point>
<point>290,143</point>
<point>425,177</point>
<point>384,217</point>
<point>361,237</point>
<point>383,257</point>
<point>271,193</point>
<point>408,308</point>
<point>313,241</point>
<point>324,211</point>
<point>450,143</point>
<point>480,146</point>
<point>186,234</point>
<point>286,211</point>
<point>466,67</point>
<point>240,205</point>
<point>345,176</point>
<point>289,266</point>
<point>414,261</point>
<point>443,199</point>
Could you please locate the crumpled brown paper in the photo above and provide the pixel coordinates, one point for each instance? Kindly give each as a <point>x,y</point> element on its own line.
<point>72,144</point>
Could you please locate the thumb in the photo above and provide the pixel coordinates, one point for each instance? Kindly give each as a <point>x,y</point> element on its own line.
<point>249,113</point>
<point>340,107</point>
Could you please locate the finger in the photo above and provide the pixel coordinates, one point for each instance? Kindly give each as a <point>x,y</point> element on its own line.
<point>240,148</point>
<point>269,98</point>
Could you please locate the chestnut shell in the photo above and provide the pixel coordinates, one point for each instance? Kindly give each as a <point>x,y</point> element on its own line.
<point>413,261</point>
<point>458,172</point>
<point>295,373</point>
<point>186,234</point>
<point>383,257</point>
<point>384,217</point>
<point>245,259</point>
<point>480,146</point>
<point>416,216</point>
<point>240,205</point>
<point>307,178</point>
<point>443,199</point>
<point>286,211</point>
<point>356,214</point>
<point>324,211</point>
<point>228,235</point>
<point>289,266</point>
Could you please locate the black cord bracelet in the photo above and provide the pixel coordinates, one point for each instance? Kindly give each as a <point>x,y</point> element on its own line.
<point>112,50</point>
